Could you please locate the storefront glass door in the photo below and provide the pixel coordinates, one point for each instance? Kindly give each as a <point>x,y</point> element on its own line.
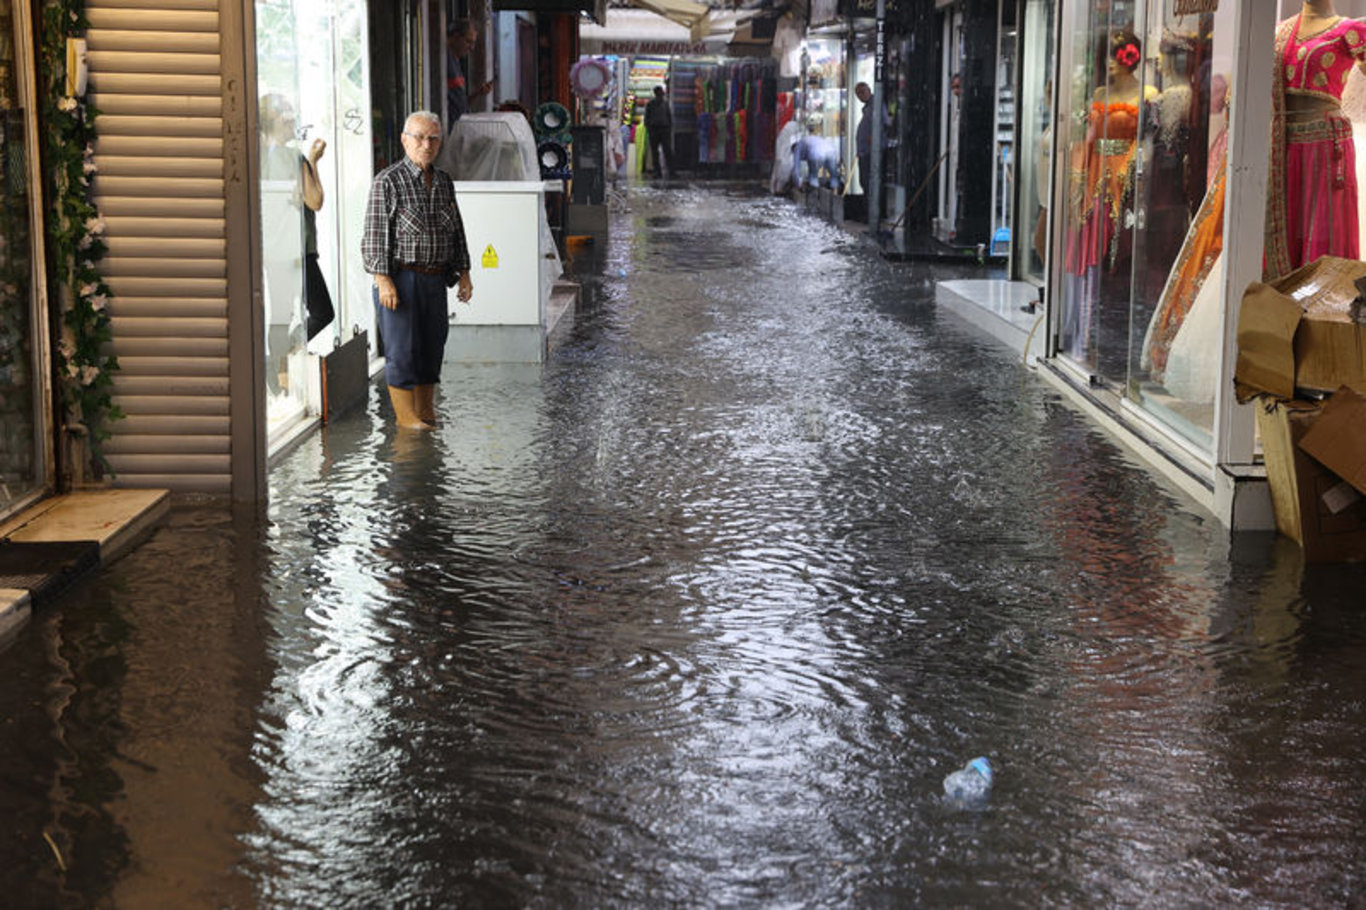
<point>282,210</point>
<point>337,111</point>
<point>23,425</point>
<point>314,100</point>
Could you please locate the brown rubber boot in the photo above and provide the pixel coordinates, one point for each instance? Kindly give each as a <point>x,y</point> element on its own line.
<point>405,414</point>
<point>424,402</point>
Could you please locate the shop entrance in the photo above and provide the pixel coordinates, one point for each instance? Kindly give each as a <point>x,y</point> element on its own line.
<point>945,223</point>
<point>316,153</point>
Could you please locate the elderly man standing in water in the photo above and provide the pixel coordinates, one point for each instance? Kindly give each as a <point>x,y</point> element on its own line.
<point>414,245</point>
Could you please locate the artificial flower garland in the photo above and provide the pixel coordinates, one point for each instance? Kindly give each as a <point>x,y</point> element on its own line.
<point>75,235</point>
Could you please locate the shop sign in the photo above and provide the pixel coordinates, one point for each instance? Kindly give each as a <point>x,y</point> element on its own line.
<point>651,48</point>
<point>1190,7</point>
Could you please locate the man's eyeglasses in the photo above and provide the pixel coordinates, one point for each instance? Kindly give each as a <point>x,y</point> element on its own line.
<point>424,138</point>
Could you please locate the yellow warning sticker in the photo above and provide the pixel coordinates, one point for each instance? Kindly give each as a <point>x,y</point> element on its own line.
<point>490,260</point>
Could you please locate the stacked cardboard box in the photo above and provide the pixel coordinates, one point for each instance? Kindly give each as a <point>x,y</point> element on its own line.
<point>1302,356</point>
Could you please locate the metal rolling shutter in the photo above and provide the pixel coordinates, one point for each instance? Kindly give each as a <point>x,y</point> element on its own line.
<point>155,77</point>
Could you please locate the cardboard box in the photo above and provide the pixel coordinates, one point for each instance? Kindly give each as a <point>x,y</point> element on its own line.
<point>1305,493</point>
<point>1267,323</point>
<point>1337,439</point>
<point>1298,332</point>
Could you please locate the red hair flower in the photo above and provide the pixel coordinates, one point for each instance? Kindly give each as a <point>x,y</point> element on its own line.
<point>1128,55</point>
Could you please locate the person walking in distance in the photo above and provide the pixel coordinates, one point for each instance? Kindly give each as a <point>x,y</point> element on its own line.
<point>414,245</point>
<point>659,125</point>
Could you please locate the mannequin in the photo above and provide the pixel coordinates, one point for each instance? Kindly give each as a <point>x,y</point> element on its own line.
<point>1170,134</point>
<point>1312,187</point>
<point>1188,285</point>
<point>1100,244</point>
<point>1043,177</point>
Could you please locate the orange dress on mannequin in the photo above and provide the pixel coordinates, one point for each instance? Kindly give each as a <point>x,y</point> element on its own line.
<point>1101,178</point>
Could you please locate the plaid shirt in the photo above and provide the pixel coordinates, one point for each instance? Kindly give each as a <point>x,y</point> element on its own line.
<point>407,223</point>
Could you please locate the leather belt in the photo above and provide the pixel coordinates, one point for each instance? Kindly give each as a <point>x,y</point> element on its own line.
<point>421,269</point>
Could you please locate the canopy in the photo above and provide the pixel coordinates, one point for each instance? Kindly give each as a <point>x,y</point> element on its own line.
<point>695,17</point>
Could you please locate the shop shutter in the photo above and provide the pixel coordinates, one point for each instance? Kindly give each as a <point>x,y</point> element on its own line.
<point>154,70</point>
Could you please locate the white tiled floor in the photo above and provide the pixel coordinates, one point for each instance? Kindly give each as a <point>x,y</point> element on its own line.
<point>1005,303</point>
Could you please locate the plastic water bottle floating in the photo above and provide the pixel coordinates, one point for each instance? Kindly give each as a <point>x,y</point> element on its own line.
<point>971,783</point>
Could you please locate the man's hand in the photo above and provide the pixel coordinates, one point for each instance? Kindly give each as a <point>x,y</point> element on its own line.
<point>465,290</point>
<point>315,151</point>
<point>388,294</point>
<point>480,91</point>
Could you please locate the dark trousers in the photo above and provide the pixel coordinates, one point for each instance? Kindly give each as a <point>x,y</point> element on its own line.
<point>661,149</point>
<point>316,297</point>
<point>415,333</point>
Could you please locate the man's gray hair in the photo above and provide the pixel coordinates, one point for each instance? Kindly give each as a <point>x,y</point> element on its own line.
<point>422,115</point>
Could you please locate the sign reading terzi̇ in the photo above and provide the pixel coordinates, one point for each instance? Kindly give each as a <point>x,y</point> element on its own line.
<point>1189,7</point>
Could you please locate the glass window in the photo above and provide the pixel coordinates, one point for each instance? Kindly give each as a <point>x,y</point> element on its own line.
<point>336,111</point>
<point>1106,94</point>
<point>282,219</point>
<point>1002,202</point>
<point>315,178</point>
<point>823,109</point>
<point>1036,138</point>
<point>20,434</point>
<point>1178,204</point>
<point>1142,232</point>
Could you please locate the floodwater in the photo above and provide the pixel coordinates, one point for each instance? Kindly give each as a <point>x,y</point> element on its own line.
<point>700,613</point>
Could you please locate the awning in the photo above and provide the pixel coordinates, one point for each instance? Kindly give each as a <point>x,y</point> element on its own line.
<point>695,17</point>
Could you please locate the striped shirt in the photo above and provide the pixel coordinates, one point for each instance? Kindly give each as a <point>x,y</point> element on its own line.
<point>406,223</point>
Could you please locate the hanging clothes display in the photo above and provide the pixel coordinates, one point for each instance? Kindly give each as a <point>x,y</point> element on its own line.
<point>1311,186</point>
<point>1102,175</point>
<point>737,112</point>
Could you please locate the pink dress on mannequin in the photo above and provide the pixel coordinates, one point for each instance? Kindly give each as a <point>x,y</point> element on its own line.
<point>1312,191</point>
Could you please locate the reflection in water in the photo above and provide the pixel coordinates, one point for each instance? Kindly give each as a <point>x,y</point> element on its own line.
<point>700,613</point>
<point>130,710</point>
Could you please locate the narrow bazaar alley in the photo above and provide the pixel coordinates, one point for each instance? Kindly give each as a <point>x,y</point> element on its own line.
<point>700,613</point>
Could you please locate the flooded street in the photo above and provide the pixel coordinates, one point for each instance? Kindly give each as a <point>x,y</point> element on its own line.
<point>700,613</point>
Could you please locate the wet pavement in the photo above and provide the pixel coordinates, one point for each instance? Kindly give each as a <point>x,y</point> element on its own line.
<point>700,613</point>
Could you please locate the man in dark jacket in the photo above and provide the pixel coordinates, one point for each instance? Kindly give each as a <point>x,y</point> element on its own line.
<point>659,125</point>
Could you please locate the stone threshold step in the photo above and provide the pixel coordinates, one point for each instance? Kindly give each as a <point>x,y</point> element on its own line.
<point>116,520</point>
